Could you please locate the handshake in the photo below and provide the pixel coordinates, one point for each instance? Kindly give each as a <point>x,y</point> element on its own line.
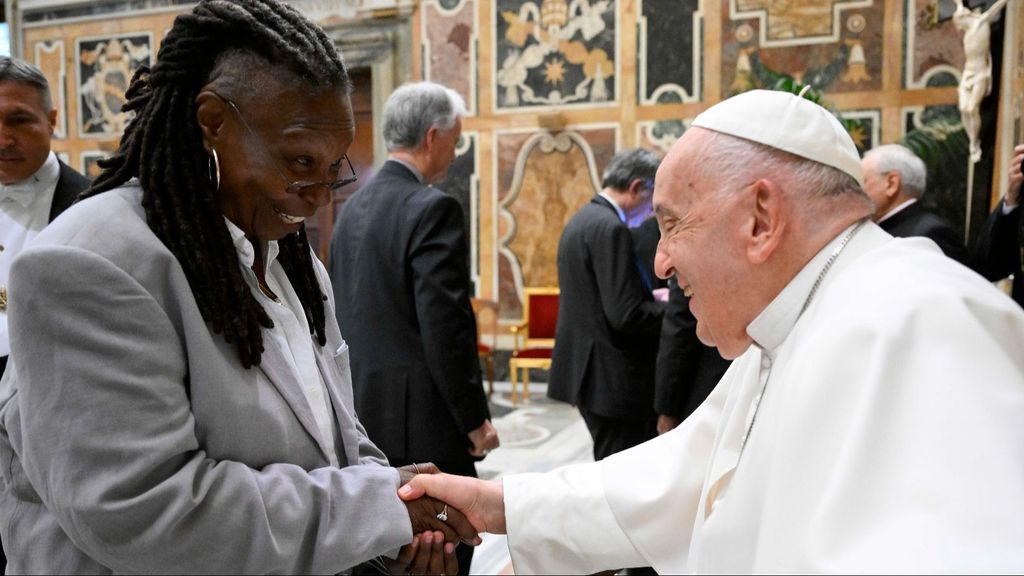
<point>445,510</point>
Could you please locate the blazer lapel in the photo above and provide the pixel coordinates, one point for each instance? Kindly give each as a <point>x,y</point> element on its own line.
<point>275,367</point>
<point>339,387</point>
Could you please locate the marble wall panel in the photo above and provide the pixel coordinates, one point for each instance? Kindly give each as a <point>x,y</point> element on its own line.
<point>50,59</point>
<point>105,66</point>
<point>670,51</point>
<point>450,46</point>
<point>866,130</point>
<point>934,52</point>
<point>543,179</point>
<point>554,53</point>
<point>659,136</point>
<point>89,163</point>
<point>845,56</point>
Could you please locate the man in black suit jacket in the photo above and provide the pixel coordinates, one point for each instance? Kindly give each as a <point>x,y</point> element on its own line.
<point>895,179</point>
<point>1000,248</point>
<point>399,264</point>
<point>35,187</point>
<point>608,322</point>
<point>687,369</point>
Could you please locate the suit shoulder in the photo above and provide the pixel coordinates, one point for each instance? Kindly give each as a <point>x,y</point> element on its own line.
<point>112,225</point>
<point>73,179</point>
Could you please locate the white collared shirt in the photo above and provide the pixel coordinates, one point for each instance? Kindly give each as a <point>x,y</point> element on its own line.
<point>896,210</point>
<point>24,212</point>
<point>618,210</point>
<point>290,332</point>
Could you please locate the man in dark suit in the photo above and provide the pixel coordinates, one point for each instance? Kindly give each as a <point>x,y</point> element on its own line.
<point>895,179</point>
<point>687,369</point>
<point>399,264</point>
<point>999,251</point>
<point>35,187</point>
<point>608,322</point>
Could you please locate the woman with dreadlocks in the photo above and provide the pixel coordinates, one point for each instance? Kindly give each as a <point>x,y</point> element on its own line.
<point>179,397</point>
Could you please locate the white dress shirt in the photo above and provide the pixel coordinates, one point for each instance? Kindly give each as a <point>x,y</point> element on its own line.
<point>290,331</point>
<point>24,211</point>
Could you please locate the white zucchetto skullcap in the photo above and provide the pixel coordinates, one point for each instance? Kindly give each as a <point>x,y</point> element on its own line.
<point>786,122</point>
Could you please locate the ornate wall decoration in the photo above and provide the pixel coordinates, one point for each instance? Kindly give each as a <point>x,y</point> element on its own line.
<point>659,136</point>
<point>795,22</point>
<point>543,179</point>
<point>669,52</point>
<point>846,59</point>
<point>49,57</point>
<point>463,182</point>
<point>450,46</point>
<point>934,53</point>
<point>555,52</point>
<point>867,133</point>
<point>105,67</point>
<point>88,163</point>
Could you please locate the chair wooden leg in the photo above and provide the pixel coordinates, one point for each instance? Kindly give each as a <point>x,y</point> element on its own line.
<point>526,385</point>
<point>512,368</point>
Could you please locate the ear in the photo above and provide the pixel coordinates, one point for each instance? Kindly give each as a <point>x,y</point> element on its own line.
<point>211,111</point>
<point>892,184</point>
<point>430,137</point>
<point>51,119</point>
<point>767,221</point>
<point>636,187</point>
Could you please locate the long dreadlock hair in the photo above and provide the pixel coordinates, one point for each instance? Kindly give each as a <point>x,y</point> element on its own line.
<point>163,147</point>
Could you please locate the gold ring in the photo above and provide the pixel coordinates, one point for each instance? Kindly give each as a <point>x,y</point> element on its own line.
<point>443,514</point>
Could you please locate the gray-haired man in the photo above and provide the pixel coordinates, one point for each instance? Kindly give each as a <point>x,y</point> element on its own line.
<point>401,283</point>
<point>895,179</point>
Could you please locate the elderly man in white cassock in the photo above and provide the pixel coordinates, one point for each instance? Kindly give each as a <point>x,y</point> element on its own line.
<point>871,421</point>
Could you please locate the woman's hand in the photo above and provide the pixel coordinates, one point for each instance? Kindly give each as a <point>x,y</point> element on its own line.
<point>427,554</point>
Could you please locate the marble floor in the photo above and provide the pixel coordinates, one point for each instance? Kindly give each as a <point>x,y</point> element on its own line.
<point>536,436</point>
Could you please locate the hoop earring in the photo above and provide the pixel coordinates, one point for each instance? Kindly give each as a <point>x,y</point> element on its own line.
<point>214,169</point>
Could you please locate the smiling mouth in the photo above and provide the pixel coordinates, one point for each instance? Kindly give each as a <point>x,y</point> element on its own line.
<point>289,218</point>
<point>688,292</point>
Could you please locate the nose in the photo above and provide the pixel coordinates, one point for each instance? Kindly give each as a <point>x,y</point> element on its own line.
<point>318,195</point>
<point>662,263</point>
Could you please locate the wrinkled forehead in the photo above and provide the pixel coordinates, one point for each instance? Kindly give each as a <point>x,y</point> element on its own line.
<point>677,183</point>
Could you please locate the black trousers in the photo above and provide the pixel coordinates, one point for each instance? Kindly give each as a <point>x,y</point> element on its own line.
<point>613,435</point>
<point>464,552</point>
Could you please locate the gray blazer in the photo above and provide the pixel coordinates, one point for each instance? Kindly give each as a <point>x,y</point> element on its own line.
<point>133,440</point>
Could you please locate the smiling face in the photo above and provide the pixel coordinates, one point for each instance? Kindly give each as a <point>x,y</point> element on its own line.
<point>265,143</point>
<point>25,131</point>
<point>702,245</point>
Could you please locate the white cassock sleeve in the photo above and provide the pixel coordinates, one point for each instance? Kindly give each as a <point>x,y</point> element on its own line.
<point>635,508</point>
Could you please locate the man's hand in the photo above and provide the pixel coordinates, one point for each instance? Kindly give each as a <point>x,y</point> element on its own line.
<point>427,554</point>
<point>483,502</point>
<point>484,439</point>
<point>666,423</point>
<point>1016,178</point>
<point>423,515</point>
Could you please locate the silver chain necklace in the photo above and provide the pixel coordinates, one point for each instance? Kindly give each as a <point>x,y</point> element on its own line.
<point>814,289</point>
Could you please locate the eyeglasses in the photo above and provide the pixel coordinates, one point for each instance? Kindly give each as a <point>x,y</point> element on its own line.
<point>297,186</point>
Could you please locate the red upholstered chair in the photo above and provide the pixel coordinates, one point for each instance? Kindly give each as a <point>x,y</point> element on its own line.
<point>486,312</point>
<point>537,330</point>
